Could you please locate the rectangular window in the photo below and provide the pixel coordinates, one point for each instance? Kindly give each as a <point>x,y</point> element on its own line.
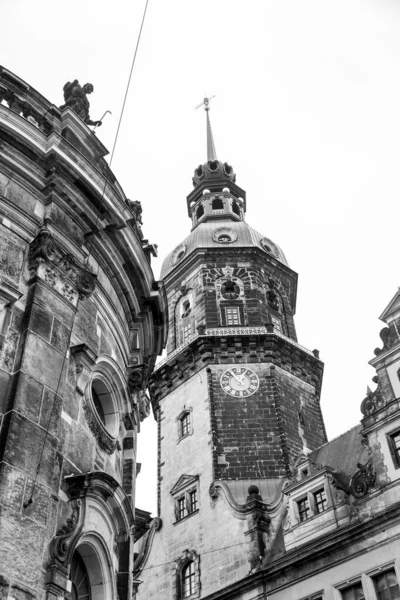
<point>320,501</point>
<point>304,509</point>
<point>386,586</point>
<point>192,501</point>
<point>181,508</point>
<point>394,446</point>
<point>277,323</point>
<point>187,332</point>
<point>353,592</point>
<point>232,315</point>
<point>185,422</point>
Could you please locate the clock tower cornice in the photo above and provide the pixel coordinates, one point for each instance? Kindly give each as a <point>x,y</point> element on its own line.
<point>240,349</point>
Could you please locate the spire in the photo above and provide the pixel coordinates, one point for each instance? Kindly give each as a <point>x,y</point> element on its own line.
<point>211,153</point>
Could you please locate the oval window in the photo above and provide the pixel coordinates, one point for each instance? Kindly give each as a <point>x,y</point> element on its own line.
<point>104,406</point>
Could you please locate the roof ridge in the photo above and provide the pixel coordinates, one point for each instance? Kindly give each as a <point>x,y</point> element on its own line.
<point>335,438</point>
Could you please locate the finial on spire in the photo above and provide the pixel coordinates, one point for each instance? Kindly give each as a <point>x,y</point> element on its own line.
<point>211,153</point>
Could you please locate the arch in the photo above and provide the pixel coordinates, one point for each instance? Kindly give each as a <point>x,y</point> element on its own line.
<point>231,300</point>
<point>200,212</point>
<point>186,576</point>
<point>96,570</point>
<point>217,204</point>
<point>276,303</point>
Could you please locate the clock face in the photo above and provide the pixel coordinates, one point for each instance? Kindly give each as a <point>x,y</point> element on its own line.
<point>239,382</point>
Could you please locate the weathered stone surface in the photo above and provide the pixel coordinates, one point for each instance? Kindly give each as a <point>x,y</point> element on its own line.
<point>25,395</point>
<point>42,360</point>
<point>11,254</point>
<point>26,445</point>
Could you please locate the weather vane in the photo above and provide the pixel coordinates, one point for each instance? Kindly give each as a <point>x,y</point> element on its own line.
<point>211,153</point>
<point>205,103</point>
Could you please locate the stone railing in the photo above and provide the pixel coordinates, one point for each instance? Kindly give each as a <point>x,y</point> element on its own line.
<point>19,97</point>
<point>230,331</point>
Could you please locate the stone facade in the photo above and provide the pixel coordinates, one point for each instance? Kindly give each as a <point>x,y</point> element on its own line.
<point>81,323</point>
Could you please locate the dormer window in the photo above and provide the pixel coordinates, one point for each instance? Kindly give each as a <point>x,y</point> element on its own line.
<point>304,473</point>
<point>320,500</point>
<point>304,509</point>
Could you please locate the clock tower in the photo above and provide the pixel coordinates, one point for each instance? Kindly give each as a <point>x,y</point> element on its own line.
<point>236,398</point>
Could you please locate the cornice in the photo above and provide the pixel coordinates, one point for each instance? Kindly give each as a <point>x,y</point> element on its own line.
<point>262,348</point>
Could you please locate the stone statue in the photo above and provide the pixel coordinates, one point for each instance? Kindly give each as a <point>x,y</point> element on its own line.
<point>75,97</point>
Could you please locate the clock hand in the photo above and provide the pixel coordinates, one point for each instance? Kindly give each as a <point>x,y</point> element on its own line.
<point>237,379</point>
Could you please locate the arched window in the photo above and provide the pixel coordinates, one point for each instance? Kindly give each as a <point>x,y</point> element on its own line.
<point>79,577</point>
<point>236,209</point>
<point>217,204</point>
<point>186,309</point>
<point>200,211</point>
<point>184,424</point>
<point>188,580</point>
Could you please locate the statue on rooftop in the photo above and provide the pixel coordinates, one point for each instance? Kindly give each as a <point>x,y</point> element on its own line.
<point>75,97</point>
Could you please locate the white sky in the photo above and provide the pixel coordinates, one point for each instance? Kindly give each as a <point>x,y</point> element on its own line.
<point>307,111</point>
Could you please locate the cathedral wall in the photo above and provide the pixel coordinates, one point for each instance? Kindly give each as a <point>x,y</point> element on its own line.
<point>75,292</point>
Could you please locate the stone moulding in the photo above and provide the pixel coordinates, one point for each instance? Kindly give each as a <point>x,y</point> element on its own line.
<point>104,440</point>
<point>59,269</point>
<point>146,545</point>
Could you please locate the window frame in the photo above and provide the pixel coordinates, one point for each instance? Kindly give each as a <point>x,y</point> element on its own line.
<point>373,575</point>
<point>189,566</point>
<point>187,558</point>
<point>185,412</point>
<point>324,501</point>
<point>307,510</point>
<point>184,499</point>
<point>232,308</point>
<point>350,585</point>
<point>394,451</point>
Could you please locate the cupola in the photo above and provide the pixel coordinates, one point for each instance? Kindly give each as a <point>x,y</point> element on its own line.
<point>215,194</point>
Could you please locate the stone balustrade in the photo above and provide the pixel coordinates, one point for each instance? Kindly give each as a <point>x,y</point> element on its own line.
<point>19,97</point>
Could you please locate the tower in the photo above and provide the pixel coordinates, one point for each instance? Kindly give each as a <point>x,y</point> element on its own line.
<point>237,397</point>
<point>81,323</point>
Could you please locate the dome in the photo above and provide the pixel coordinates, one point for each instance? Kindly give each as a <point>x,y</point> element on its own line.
<point>215,234</point>
<point>213,170</point>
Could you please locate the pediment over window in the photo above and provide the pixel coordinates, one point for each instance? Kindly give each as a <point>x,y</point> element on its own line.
<point>393,308</point>
<point>183,482</point>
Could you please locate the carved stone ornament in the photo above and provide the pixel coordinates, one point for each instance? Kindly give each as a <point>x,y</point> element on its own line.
<point>84,359</point>
<point>105,441</point>
<point>390,337</point>
<point>144,405</point>
<point>67,534</point>
<point>145,547</point>
<point>137,377</point>
<point>373,401</point>
<point>363,481</point>
<point>59,269</point>
<point>227,271</point>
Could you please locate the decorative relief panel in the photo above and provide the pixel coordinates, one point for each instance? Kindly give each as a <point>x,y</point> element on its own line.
<point>59,269</point>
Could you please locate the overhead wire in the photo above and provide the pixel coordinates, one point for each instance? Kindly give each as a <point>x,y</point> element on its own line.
<point>106,181</point>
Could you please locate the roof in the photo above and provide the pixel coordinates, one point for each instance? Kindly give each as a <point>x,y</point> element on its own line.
<point>206,235</point>
<point>342,453</point>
